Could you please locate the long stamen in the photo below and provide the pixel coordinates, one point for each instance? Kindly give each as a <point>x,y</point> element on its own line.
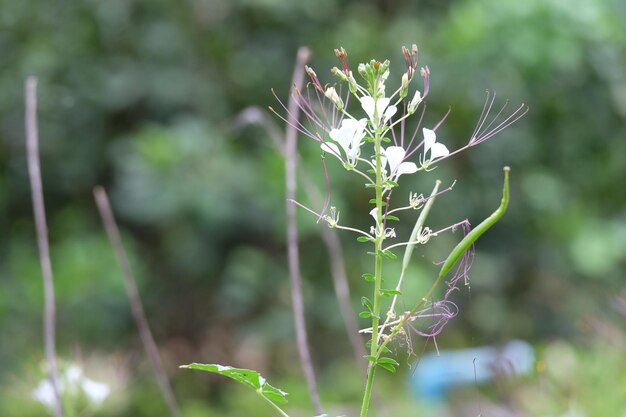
<point>417,128</point>
<point>328,192</point>
<point>512,118</point>
<point>483,114</point>
<point>298,125</point>
<point>482,132</point>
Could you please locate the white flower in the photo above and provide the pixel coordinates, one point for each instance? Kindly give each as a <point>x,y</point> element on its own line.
<point>72,383</point>
<point>382,109</point>
<point>95,391</point>
<point>44,393</point>
<point>332,95</point>
<point>417,99</point>
<point>350,136</point>
<point>374,213</point>
<point>437,150</point>
<point>395,156</point>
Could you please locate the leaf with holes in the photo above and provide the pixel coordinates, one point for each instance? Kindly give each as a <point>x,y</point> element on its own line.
<point>247,377</point>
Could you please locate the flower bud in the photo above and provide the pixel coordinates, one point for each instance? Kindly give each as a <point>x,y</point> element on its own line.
<point>352,83</point>
<point>417,99</point>
<point>362,70</point>
<point>332,95</point>
<point>339,74</point>
<point>404,88</point>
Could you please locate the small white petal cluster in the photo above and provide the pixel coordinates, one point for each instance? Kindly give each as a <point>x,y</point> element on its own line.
<point>394,155</point>
<point>379,111</point>
<point>72,382</point>
<point>346,140</point>
<point>350,137</point>
<point>436,150</point>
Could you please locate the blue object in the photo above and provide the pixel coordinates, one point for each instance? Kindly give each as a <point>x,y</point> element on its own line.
<point>435,374</point>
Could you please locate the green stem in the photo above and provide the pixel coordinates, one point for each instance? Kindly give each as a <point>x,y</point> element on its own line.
<point>378,268</point>
<point>454,256</point>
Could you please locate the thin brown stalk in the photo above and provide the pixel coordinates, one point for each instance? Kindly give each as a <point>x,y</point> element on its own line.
<point>110,225</point>
<point>293,256</point>
<point>39,211</point>
<point>342,290</point>
<point>254,115</point>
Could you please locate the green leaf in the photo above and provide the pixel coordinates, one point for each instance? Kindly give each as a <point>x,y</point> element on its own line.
<point>370,358</point>
<point>389,361</point>
<point>368,277</point>
<point>362,239</point>
<point>390,217</point>
<point>388,293</point>
<point>388,254</point>
<point>388,367</point>
<point>386,140</point>
<point>365,314</point>
<point>247,377</point>
<point>365,302</point>
<point>372,201</point>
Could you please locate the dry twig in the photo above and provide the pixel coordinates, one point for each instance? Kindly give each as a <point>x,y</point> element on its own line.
<point>292,236</point>
<point>39,211</point>
<point>110,225</point>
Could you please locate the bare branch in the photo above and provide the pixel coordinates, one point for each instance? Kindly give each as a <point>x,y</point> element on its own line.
<point>254,115</point>
<point>39,211</point>
<point>108,220</point>
<point>292,234</point>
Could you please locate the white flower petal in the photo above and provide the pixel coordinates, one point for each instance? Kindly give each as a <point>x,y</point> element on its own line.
<point>406,168</point>
<point>95,391</point>
<point>44,393</point>
<point>353,124</point>
<point>438,150</point>
<point>359,131</point>
<point>429,139</point>
<point>391,110</point>
<point>381,105</point>
<point>344,137</point>
<point>374,213</point>
<point>367,103</point>
<point>331,148</point>
<point>395,156</point>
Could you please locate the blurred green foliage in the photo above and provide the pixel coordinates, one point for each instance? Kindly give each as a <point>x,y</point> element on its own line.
<point>141,96</point>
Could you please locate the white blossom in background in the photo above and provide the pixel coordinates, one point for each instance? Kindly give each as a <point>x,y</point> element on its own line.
<point>44,393</point>
<point>73,383</point>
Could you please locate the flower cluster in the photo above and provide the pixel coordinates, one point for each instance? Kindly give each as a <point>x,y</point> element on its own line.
<point>372,140</point>
<point>343,133</point>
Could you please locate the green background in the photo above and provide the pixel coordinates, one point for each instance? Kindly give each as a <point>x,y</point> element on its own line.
<point>145,98</point>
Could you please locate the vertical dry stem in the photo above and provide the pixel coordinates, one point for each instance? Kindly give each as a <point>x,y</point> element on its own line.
<point>39,211</point>
<point>108,220</point>
<point>292,234</point>
<point>253,115</point>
